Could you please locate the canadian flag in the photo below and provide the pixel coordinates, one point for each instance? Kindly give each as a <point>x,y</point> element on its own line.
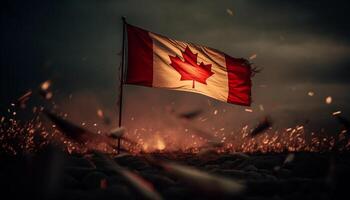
<point>161,62</point>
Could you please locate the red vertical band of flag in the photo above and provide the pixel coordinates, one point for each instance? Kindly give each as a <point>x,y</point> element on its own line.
<point>140,57</point>
<point>239,73</point>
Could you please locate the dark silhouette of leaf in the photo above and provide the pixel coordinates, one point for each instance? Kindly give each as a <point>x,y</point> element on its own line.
<point>190,115</point>
<point>264,124</point>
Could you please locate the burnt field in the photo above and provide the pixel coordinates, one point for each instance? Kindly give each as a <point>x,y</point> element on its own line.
<point>51,173</point>
<point>58,159</point>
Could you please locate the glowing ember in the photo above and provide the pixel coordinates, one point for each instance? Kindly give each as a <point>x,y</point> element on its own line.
<point>252,57</point>
<point>103,184</point>
<point>160,144</point>
<point>145,147</point>
<point>261,107</point>
<point>19,137</point>
<point>329,100</point>
<point>45,85</point>
<point>248,110</point>
<point>336,113</point>
<point>229,11</point>
<point>48,95</point>
<point>311,94</point>
<point>99,113</point>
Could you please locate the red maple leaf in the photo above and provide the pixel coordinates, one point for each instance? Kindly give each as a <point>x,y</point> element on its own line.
<point>189,69</point>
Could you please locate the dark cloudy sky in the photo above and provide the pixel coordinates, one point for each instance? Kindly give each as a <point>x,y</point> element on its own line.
<point>302,46</point>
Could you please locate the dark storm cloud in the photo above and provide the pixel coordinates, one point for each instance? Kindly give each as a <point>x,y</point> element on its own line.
<point>300,44</point>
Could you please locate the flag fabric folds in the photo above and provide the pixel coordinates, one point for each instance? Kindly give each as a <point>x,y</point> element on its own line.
<point>158,61</point>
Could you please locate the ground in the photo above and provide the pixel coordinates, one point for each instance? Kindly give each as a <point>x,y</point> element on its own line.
<point>55,174</point>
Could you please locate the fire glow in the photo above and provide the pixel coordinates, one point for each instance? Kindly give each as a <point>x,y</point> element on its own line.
<point>147,136</point>
<point>20,137</point>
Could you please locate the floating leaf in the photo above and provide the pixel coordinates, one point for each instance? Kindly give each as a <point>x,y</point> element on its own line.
<point>142,186</point>
<point>263,125</point>
<point>203,181</point>
<point>117,132</point>
<point>190,115</point>
<point>24,98</point>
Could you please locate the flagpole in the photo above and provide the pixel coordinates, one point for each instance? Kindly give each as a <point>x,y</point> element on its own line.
<point>121,81</point>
